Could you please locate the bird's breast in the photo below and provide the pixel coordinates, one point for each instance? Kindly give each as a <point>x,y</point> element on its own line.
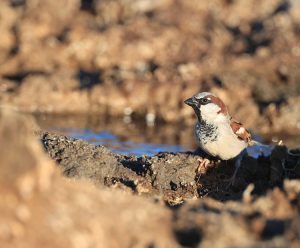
<point>219,141</point>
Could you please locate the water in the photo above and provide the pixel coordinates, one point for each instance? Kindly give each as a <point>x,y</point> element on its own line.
<point>129,147</point>
<point>137,138</point>
<point>117,145</point>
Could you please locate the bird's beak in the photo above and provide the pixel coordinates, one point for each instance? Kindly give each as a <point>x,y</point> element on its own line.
<point>191,102</point>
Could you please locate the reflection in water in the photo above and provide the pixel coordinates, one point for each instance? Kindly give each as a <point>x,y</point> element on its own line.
<point>133,138</point>
<point>128,138</point>
<point>117,145</point>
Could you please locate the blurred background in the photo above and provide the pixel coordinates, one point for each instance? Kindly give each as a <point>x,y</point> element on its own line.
<point>116,72</point>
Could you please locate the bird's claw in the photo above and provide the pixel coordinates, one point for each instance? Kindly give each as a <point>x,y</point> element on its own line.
<point>203,165</point>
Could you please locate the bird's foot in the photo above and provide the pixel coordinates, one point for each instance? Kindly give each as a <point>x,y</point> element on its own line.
<point>204,164</point>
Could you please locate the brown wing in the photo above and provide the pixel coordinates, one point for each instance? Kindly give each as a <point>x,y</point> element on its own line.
<point>241,132</point>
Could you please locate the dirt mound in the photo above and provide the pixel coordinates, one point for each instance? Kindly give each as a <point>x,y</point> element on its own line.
<point>173,176</point>
<point>123,57</point>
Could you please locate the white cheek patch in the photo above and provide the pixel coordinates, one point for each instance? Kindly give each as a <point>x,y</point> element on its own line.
<point>210,108</point>
<point>209,111</point>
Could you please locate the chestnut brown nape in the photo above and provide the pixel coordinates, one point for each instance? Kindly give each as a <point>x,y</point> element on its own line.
<point>220,103</point>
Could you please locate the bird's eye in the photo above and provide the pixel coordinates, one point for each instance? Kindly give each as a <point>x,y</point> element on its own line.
<point>204,101</point>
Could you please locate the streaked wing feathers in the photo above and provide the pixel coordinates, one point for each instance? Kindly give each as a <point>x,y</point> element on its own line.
<point>241,132</point>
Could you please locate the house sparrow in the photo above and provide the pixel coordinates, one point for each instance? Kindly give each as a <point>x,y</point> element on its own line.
<point>217,133</point>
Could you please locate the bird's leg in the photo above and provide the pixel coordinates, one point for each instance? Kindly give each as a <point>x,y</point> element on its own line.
<point>231,180</point>
<point>204,163</point>
<point>237,164</point>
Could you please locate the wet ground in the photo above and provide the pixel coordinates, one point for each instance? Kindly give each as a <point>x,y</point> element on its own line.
<point>136,141</point>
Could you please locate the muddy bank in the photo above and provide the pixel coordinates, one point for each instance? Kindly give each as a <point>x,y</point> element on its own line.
<point>171,176</point>
<point>39,203</point>
<point>123,57</point>
<point>145,175</point>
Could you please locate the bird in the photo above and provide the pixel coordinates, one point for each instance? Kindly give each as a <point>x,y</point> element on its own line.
<point>216,132</point>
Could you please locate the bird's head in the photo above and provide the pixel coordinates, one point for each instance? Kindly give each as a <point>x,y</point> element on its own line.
<point>208,107</point>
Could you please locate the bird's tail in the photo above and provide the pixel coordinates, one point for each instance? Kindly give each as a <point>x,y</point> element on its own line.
<point>257,143</point>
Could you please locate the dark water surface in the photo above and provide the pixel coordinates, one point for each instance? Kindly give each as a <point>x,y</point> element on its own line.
<point>119,145</point>
<point>135,138</point>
